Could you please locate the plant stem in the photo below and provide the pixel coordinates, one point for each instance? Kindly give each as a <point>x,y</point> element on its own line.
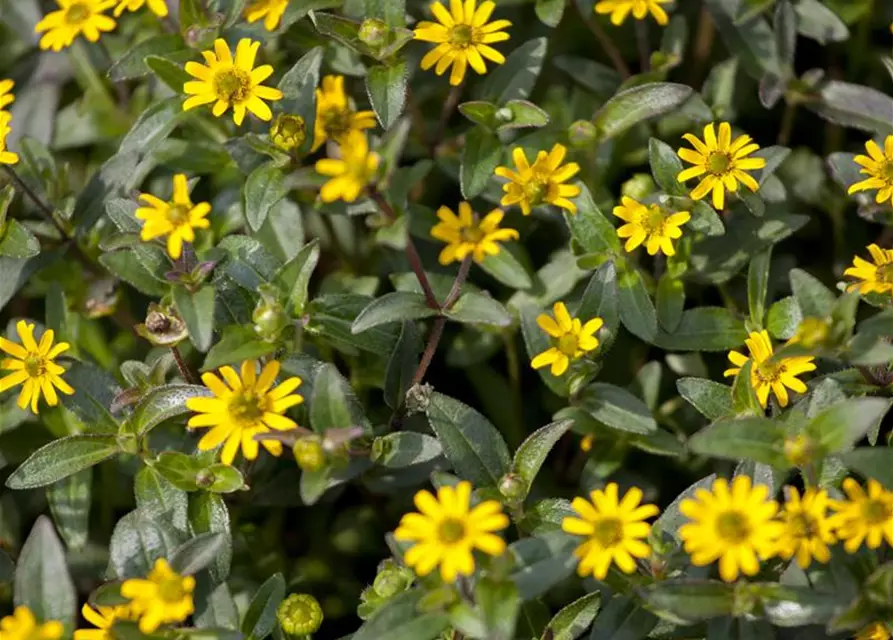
<point>703,44</point>
<point>787,123</point>
<point>446,113</point>
<point>185,371</point>
<point>643,46</point>
<point>605,41</point>
<point>43,206</point>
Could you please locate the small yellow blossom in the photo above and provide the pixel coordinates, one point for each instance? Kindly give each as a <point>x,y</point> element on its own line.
<point>768,374</point>
<point>73,18</point>
<point>22,625</point>
<point>620,9</point>
<point>163,596</point>
<point>571,339</point>
<point>102,618</point>
<point>649,224</point>
<point>463,37</point>
<point>735,525</point>
<point>32,365</point>
<point>811,332</point>
<point>866,516</point>
<point>229,82</point>
<point>270,10</point>
<point>6,95</point>
<point>878,165</point>
<point>465,235</point>
<point>876,630</point>
<point>335,119</point>
<point>724,161</point>
<point>6,157</point>
<point>351,172</point>
<point>288,131</point>
<point>807,528</point>
<point>532,185</point>
<point>586,443</point>
<point>614,529</point>
<point>243,407</point>
<point>446,530</point>
<point>177,219</point>
<point>875,278</point>
<point>158,7</point>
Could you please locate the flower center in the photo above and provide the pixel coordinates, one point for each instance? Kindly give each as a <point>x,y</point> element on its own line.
<point>35,366</point>
<point>461,36</point>
<point>77,13</point>
<point>246,409</point>
<point>472,234</point>
<point>451,530</point>
<point>608,532</point>
<point>232,85</point>
<point>178,214</point>
<point>769,372</point>
<point>718,162</point>
<point>653,220</point>
<point>733,526</point>
<point>886,172</point>
<point>803,525</point>
<point>535,190</point>
<point>568,344</point>
<point>884,273</point>
<point>876,512</point>
<point>336,122</point>
<point>171,590</point>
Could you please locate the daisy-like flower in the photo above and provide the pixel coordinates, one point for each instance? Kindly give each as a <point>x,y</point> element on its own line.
<point>32,367</point>
<point>446,530</point>
<point>229,82</point>
<point>879,165</point>
<point>6,95</point>
<point>768,373</point>
<point>533,184</point>
<point>351,172</point>
<point>865,516</point>
<point>463,38</point>
<point>158,7</point>
<point>177,219</point>
<point>102,618</point>
<point>73,18</point>
<point>571,339</point>
<point>162,596</point>
<point>649,224</point>
<point>465,235</point>
<point>874,631</point>
<point>22,625</point>
<point>614,529</point>
<point>242,407</point>
<point>334,117</point>
<point>735,525</point>
<point>620,9</point>
<point>6,157</point>
<point>875,278</point>
<point>270,10</point>
<point>722,160</point>
<point>807,528</point>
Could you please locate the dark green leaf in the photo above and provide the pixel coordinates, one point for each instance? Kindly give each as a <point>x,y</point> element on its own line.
<point>401,619</point>
<point>814,298</point>
<point>208,513</point>
<point>404,448</point>
<point>617,408</point>
<point>402,365</point>
<point>237,344</point>
<point>665,166</point>
<point>18,241</point>
<point>712,399</point>
<point>386,86</point>
<point>260,617</point>
<point>480,157</point>
<point>197,310</point>
<point>636,308</point>
<point>392,307</point>
<point>689,601</point>
<point>704,329</point>
<point>623,619</point>
<point>514,79</point>
<point>334,404</point>
<point>533,451</point>
<point>159,499</point>
<point>264,188</point>
<point>757,439</point>
<point>42,581</point>
<point>670,302</point>
<point>169,72</point>
<point>638,104</point>
<point>137,542</point>
<point>589,227</point>
<point>757,285</point>
<point>478,308</point>
<point>69,502</point>
<point>62,458</point>
<point>162,403</point>
<point>841,425</point>
<point>196,554</point>
<point>853,105</point>
<point>574,619</point>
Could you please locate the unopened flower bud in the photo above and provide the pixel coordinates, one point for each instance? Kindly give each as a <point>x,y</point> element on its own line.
<point>373,32</point>
<point>392,580</point>
<point>417,398</point>
<point>299,614</point>
<point>512,487</point>
<point>309,453</point>
<point>639,187</point>
<point>163,326</point>
<point>288,131</point>
<point>586,443</point>
<point>811,332</point>
<point>268,316</point>
<point>205,478</point>
<point>582,133</point>
<point>799,450</point>
<point>504,115</point>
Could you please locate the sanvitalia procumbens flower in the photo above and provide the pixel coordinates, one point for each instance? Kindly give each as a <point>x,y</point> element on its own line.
<point>161,597</point>
<point>464,234</point>
<point>865,516</point>
<point>32,366</point>
<point>335,119</point>
<point>530,185</point>
<point>807,531</point>
<point>620,9</point>
<point>878,165</point>
<point>876,277</point>
<point>351,173</point>
<point>73,18</point>
<point>571,339</point>
<point>177,218</point>
<point>651,225</point>
<point>770,374</point>
<point>270,10</point>
<point>22,625</point>
<point>158,7</point>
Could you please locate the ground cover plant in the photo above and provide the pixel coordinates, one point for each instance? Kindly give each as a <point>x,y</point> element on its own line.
<point>404,320</point>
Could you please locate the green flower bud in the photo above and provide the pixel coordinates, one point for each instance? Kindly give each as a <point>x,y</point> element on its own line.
<point>812,332</point>
<point>391,580</point>
<point>299,614</point>
<point>512,487</point>
<point>163,326</point>
<point>309,453</point>
<point>205,478</point>
<point>268,316</point>
<point>504,115</point>
<point>582,133</point>
<point>288,131</point>
<point>639,187</point>
<point>373,32</point>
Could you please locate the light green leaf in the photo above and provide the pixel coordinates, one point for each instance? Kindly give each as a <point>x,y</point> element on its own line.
<point>197,310</point>
<point>704,329</point>
<point>506,268</point>
<point>617,408</point>
<point>264,188</point>
<point>757,285</point>
<point>523,114</point>
<point>814,298</point>
<point>784,317</point>
<point>665,166</point>
<point>478,308</point>
<point>42,581</point>
<point>549,11</point>
<point>638,104</point>
<point>396,306</point>
<point>169,72</point>
<point>404,448</point>
<point>62,458</point>
<point>712,399</point>
<point>293,278</point>
<point>260,617</point>
<point>236,344</point>
<point>871,462</point>
<point>386,86</point>
<point>18,241</point>
<point>533,451</point>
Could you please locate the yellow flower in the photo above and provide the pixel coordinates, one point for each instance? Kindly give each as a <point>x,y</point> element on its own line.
<point>32,366</point>
<point>619,9</point>
<point>540,182</point>
<point>571,339</point>
<point>880,167</point>
<point>865,516</point>
<point>6,157</point>
<point>768,373</point>
<point>446,530</point>
<point>73,18</point>
<point>586,443</point>
<point>334,117</point>
<point>177,219</point>
<point>807,529</point>
<point>270,10</point>
<point>465,235</point>
<point>874,631</point>
<point>723,160</point>
<point>463,37</point>
<point>351,173</point>
<point>877,277</point>
<point>243,407</point>
<point>163,596</point>
<point>102,618</point>
<point>614,529</point>
<point>733,525</point>
<point>22,625</point>
<point>229,82</point>
<point>6,95</point>
<point>649,224</point>
<point>158,7</point>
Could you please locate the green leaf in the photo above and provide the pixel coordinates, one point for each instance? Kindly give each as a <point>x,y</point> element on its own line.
<point>298,87</point>
<point>69,502</point>
<point>573,620</point>
<point>853,105</point>
<point>757,439</point>
<point>260,617</point>
<point>196,554</point>
<point>784,317</point>
<point>169,72</point>
<point>871,462</point>
<point>671,519</point>
<point>162,403</point>
<point>841,425</point>
<point>514,79</point>
<point>392,12</point>
<point>264,188</point>
<point>480,112</point>
<point>506,268</point>
<point>132,64</point>
<point>589,227</point>
<point>93,395</point>
<point>197,310</point>
<point>402,365</point>
<point>542,562</point>
<point>638,104</point>
<point>470,442</point>
<point>636,308</point>
<point>792,606</point>
<point>816,21</point>
<point>704,329</point>
<point>392,307</point>
<point>344,30</point>
<point>137,541</point>
<point>549,11</point>
<point>401,619</point>
<point>623,619</point>
<point>62,458</point>
<point>814,298</point>
<point>42,581</point>
<point>665,166</point>
<point>523,114</point>
<point>499,603</point>
<point>386,86</point>
<point>334,404</point>
<point>533,451</point>
<point>480,157</point>
<point>236,344</point>
<point>18,241</point>
<point>478,308</point>
<point>689,601</point>
<point>600,299</point>
<point>617,408</point>
<point>758,285</point>
<point>753,41</point>
<point>670,302</point>
<point>293,277</point>
<point>404,448</point>
<point>712,399</point>
<point>208,513</point>
<point>331,316</point>
<point>159,499</point>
